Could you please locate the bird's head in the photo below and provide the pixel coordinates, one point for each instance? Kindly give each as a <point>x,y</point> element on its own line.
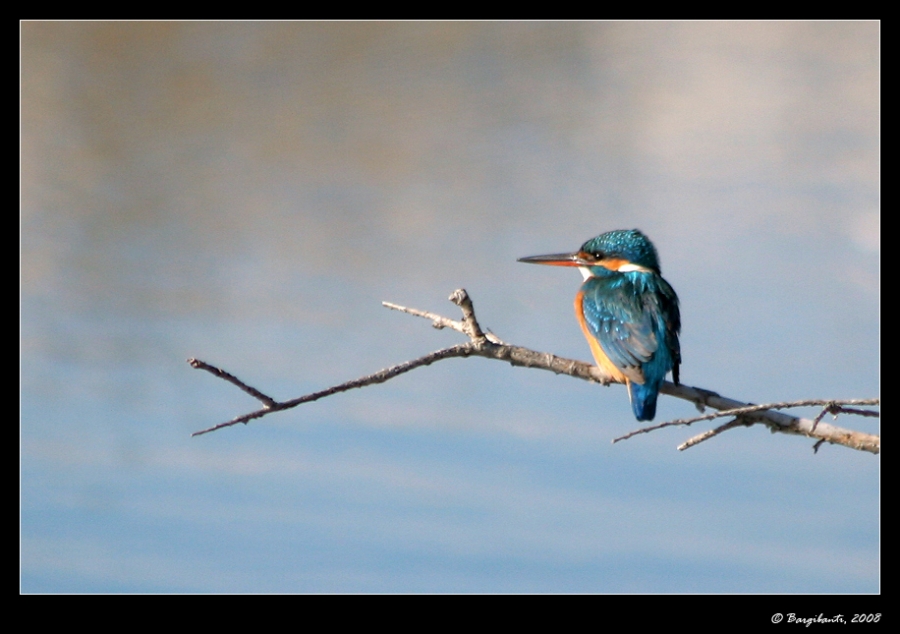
<point>621,250</point>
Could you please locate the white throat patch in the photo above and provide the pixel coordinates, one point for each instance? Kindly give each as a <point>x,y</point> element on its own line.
<point>633,268</point>
<point>625,268</point>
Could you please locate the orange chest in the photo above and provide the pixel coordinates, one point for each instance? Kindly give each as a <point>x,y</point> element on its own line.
<point>622,375</point>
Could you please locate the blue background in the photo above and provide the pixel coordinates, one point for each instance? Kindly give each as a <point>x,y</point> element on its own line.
<point>248,193</point>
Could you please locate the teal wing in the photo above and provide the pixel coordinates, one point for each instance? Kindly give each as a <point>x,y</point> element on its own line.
<point>618,317</point>
<point>635,318</point>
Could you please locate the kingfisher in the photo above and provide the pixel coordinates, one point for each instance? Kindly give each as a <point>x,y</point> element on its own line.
<point>627,311</point>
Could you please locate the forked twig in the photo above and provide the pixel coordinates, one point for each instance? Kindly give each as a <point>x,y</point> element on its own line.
<point>831,406</point>
<point>271,405</point>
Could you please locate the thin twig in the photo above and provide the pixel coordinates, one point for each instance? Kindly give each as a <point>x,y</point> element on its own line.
<point>690,442</point>
<point>831,406</point>
<point>834,408</point>
<point>438,321</point>
<point>459,350</point>
<point>222,374</point>
<point>461,299</point>
<point>858,412</point>
<point>647,430</point>
<point>768,406</point>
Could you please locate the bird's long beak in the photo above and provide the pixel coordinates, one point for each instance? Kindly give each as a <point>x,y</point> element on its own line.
<point>559,259</point>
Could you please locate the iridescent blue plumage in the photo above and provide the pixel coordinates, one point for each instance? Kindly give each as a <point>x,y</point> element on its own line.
<point>634,317</point>
<point>628,312</point>
<point>630,245</point>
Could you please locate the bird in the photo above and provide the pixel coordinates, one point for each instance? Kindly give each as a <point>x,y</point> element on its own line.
<point>627,311</point>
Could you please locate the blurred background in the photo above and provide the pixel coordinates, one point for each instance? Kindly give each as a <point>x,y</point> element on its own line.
<point>249,193</point>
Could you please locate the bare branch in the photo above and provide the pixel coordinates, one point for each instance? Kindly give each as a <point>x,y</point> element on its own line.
<point>690,442</point>
<point>776,421</point>
<point>785,405</point>
<point>460,350</point>
<point>461,299</point>
<point>437,321</point>
<point>487,345</point>
<point>831,406</point>
<point>835,407</point>
<point>222,374</point>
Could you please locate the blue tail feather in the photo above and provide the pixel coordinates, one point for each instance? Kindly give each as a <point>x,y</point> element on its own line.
<point>643,399</point>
